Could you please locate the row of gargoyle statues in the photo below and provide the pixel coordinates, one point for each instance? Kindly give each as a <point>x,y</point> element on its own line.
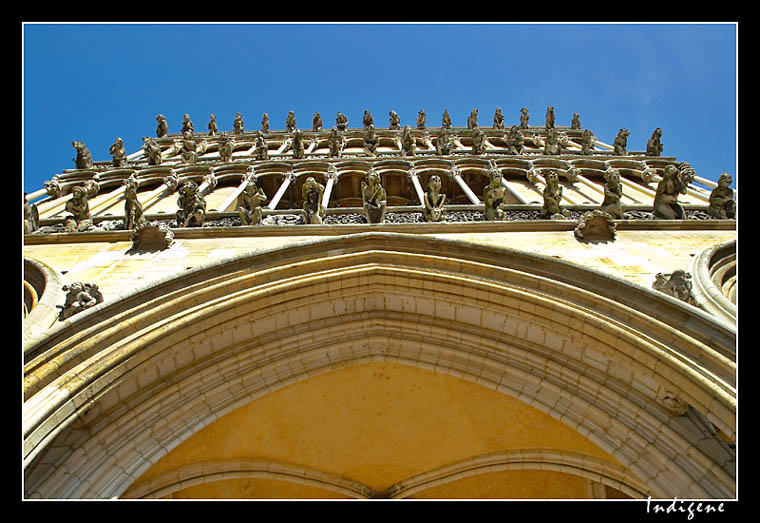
<point>554,143</point>
<point>192,205</point>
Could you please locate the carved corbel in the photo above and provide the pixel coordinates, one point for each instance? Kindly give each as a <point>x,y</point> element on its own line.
<point>171,181</point>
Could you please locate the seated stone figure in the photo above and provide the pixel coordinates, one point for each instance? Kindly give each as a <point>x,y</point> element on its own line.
<point>433,210</point>
<point>514,140</point>
<point>290,122</point>
<point>394,122</point>
<point>84,158</point>
<point>374,198</point>
<point>213,127</point>
<point>722,204</point>
<point>552,143</point>
<point>80,218</point>
<point>335,143</point>
<point>316,123</point>
<point>575,123</point>
<point>524,118</point>
<point>162,128</point>
<point>443,143</point>
<point>341,122</point>
<point>79,296</point>
<point>498,119</point>
<point>249,203</point>
<point>472,120</point>
<point>192,206</point>
<point>118,153</point>
<point>666,206</point>
<point>408,142</point>
<point>421,119</point>
<point>552,198</point>
<point>493,196</point>
<point>312,192</point>
<point>371,140</point>
<point>478,141</point>
<point>187,125</point>
<point>238,125</point>
<point>550,117</point>
<point>225,148</point>
<point>261,151</point>
<point>367,119</point>
<point>446,119</point>
<point>265,123</point>
<point>621,142</point>
<point>613,191</point>
<point>654,144</point>
<point>189,152</point>
<point>297,144</point>
<point>152,151</point>
<point>588,141</point>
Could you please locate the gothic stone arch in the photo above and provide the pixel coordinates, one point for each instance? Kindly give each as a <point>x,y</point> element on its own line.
<point>639,374</point>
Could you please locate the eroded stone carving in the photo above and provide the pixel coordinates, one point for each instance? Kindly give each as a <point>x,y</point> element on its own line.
<point>31,216</point>
<point>433,210</point>
<point>550,117</point>
<point>421,119</point>
<point>192,206</point>
<point>297,145</point>
<point>472,120</point>
<point>152,151</point>
<point>53,187</point>
<point>524,117</point>
<point>575,123</point>
<point>493,196</point>
<point>312,192</point>
<point>722,204</point>
<point>673,402</point>
<point>335,143</point>
<point>151,236</point>
<point>552,198</point>
<point>290,122</point>
<point>341,122</point>
<point>408,142</point>
<point>588,141</point>
<point>80,218</point>
<point>367,119</point>
<point>514,140</point>
<point>596,225</point>
<point>238,125</point>
<point>446,119</point>
<point>249,202</point>
<point>261,151</point>
<point>187,125</point>
<point>613,192</point>
<point>621,142</point>
<point>676,284</point>
<point>552,145</point>
<point>118,153</point>
<point>171,181</point>
<point>394,121</point>
<point>316,123</point>
<point>371,140</point>
<point>162,128</point>
<point>133,210</point>
<point>265,123</point>
<point>79,296</point>
<point>226,147</point>
<point>190,149</point>
<point>498,119</point>
<point>478,141</point>
<point>374,197</point>
<point>666,204</point>
<point>444,143</point>
<point>654,145</point>
<point>83,159</point>
<point>213,128</point>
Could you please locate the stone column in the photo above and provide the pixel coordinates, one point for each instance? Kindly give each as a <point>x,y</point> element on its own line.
<point>417,186</point>
<point>289,178</point>
<point>332,176</point>
<point>456,174</point>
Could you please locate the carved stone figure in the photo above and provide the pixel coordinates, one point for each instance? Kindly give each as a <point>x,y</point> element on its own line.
<point>498,119</point>
<point>163,127</point>
<point>677,284</point>
<point>374,198</point>
<point>265,123</point>
<point>444,144</point>
<point>613,191</point>
<point>118,153</point>
<point>335,143</point>
<point>666,204</point>
<point>433,210</point>
<point>472,120</point>
<point>493,196</point>
<point>261,151</point>
<point>213,128</point>
<point>187,124</point>
<point>596,225</point>
<point>421,119</point>
<point>79,296</point>
<point>133,210</point>
<point>192,206</point>
<point>152,151</point>
<point>316,123</point>
<point>290,122</point>
<point>722,204</point>
<point>654,145</point>
<point>395,121</point>
<point>151,236</point>
<point>249,203</point>
<point>341,122</point>
<point>238,125</point>
<point>189,151</point>
<point>524,117</point>
<point>84,158</point>
<point>297,145</point>
<point>478,141</point>
<point>552,198</point>
<point>514,140</point>
<point>371,140</point>
<point>620,143</point>
<point>367,120</point>
<point>588,141</point>
<point>446,120</point>
<point>550,117</point>
<point>226,148</point>
<point>312,192</point>
<point>408,142</point>
<point>79,207</point>
<point>576,121</point>
<point>552,144</point>
<point>31,216</point>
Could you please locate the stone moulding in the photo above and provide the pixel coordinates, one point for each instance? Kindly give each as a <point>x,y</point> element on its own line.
<point>706,293</point>
<point>593,319</point>
<point>152,236</point>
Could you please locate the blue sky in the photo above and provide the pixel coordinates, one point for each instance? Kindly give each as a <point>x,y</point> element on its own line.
<point>96,82</point>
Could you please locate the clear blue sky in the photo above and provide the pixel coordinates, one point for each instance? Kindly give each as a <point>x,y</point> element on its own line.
<point>94,82</point>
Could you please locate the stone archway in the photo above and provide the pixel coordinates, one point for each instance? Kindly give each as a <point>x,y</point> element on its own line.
<point>126,383</point>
